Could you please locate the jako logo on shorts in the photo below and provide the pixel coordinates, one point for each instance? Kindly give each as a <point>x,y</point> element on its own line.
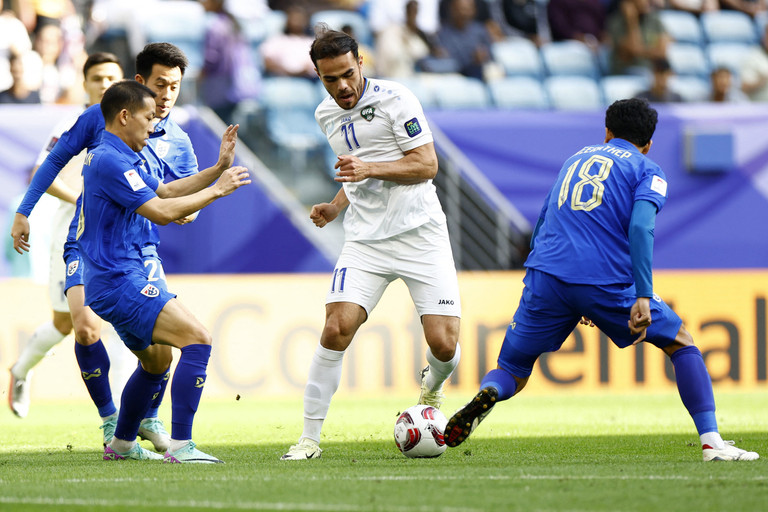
<point>150,291</point>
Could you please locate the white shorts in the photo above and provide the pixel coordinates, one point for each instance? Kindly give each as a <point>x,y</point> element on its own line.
<point>58,269</point>
<point>421,257</point>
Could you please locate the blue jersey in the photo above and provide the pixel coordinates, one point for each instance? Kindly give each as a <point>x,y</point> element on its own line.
<point>110,233</point>
<point>583,237</point>
<point>84,134</point>
<point>172,144</point>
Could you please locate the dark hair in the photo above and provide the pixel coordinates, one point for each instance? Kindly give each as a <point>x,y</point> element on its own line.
<point>331,43</point>
<point>164,54</point>
<point>125,94</point>
<point>97,58</point>
<point>633,120</point>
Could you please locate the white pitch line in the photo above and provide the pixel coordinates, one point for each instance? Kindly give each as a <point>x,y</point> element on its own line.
<point>185,505</point>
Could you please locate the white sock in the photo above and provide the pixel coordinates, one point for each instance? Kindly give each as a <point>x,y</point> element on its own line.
<point>439,371</point>
<point>322,383</point>
<point>713,439</point>
<point>43,340</point>
<point>121,445</point>
<point>177,444</point>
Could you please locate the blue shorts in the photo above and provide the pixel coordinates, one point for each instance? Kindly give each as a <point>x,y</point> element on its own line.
<point>74,263</point>
<point>132,305</point>
<point>550,309</point>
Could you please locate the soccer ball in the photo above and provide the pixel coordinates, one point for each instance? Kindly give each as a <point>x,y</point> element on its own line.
<point>419,432</point>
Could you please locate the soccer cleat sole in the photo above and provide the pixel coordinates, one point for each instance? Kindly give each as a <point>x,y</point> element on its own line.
<point>466,419</point>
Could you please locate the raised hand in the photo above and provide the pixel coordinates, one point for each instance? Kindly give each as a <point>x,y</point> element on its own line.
<point>227,148</point>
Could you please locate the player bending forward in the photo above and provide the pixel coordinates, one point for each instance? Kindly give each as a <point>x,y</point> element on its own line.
<point>591,264</point>
<point>394,226</point>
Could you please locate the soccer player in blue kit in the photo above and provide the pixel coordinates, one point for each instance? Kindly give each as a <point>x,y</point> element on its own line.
<point>161,67</point>
<point>591,259</point>
<point>118,197</point>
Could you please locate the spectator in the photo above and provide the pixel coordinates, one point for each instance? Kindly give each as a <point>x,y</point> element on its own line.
<point>637,36</point>
<point>660,91</point>
<point>399,47</point>
<point>19,92</point>
<point>754,72</point>
<point>527,18</point>
<point>482,14</point>
<point>57,77</point>
<point>384,13</point>
<point>465,39</point>
<point>751,7</point>
<point>13,37</point>
<point>722,87</point>
<point>583,20</point>
<point>229,74</point>
<point>287,54</point>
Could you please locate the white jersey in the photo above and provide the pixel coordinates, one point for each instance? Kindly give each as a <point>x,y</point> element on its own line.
<point>386,122</point>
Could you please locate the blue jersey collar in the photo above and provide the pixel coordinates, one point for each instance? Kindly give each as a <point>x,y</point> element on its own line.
<point>160,127</point>
<point>623,144</point>
<point>121,147</point>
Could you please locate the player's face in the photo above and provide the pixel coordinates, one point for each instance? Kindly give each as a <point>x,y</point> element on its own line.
<point>139,125</point>
<point>99,78</point>
<point>342,77</point>
<point>166,83</point>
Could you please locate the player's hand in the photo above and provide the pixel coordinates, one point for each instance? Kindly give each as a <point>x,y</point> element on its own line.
<point>586,321</point>
<point>227,148</point>
<point>640,318</point>
<point>323,213</point>
<point>187,219</point>
<point>232,179</point>
<point>20,233</point>
<point>350,169</point>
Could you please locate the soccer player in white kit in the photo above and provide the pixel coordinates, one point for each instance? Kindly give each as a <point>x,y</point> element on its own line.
<point>394,226</point>
<point>100,71</point>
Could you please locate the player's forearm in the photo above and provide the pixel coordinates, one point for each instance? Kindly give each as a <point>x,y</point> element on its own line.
<point>641,229</point>
<point>340,200</point>
<point>43,178</point>
<point>164,211</point>
<point>417,165</point>
<point>61,190</point>
<point>192,184</point>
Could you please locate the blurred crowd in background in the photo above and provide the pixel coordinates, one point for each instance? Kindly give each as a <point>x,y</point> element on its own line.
<point>665,50</point>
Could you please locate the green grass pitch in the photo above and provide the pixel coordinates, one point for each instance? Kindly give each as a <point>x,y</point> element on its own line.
<point>547,453</point>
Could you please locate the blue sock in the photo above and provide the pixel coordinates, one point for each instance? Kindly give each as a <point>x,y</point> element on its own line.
<point>188,381</point>
<point>94,369</point>
<point>695,387</point>
<point>158,399</point>
<point>136,399</point>
<point>502,380</point>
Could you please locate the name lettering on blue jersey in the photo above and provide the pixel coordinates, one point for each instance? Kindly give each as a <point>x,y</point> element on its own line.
<point>618,152</point>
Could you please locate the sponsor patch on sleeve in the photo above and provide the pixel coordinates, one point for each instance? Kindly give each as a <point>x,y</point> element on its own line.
<point>659,186</point>
<point>134,180</point>
<point>412,127</point>
<point>51,143</point>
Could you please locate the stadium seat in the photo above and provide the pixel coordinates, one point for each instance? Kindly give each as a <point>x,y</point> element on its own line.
<point>683,27</point>
<point>573,93</point>
<point>691,88</point>
<point>338,18</point>
<point>687,59</point>
<point>287,93</point>
<point>729,26</point>
<point>419,86</point>
<point>256,32</point>
<point>519,92</point>
<point>518,56</point>
<point>620,87</point>
<point>569,58</point>
<point>460,92</point>
<point>180,23</point>
<point>728,55</point>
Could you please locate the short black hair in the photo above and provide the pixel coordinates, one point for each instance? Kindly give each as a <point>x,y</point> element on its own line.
<point>125,94</point>
<point>330,44</point>
<point>164,54</point>
<point>633,120</point>
<point>97,58</point>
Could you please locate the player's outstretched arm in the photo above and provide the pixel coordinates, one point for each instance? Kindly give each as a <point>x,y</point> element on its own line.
<point>418,164</point>
<point>324,213</point>
<point>163,209</point>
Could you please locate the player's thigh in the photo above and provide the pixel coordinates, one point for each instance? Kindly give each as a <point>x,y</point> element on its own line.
<point>442,334</point>
<point>177,326</point>
<point>609,308</point>
<point>361,275</point>
<point>542,322</point>
<point>155,359</point>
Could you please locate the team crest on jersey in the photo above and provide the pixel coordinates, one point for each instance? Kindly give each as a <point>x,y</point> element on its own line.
<point>72,267</point>
<point>412,127</point>
<point>150,291</point>
<point>368,113</point>
<point>162,148</point>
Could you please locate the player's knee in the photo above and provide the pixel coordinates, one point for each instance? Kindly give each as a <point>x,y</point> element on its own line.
<point>201,336</point>
<point>87,333</point>
<point>443,347</point>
